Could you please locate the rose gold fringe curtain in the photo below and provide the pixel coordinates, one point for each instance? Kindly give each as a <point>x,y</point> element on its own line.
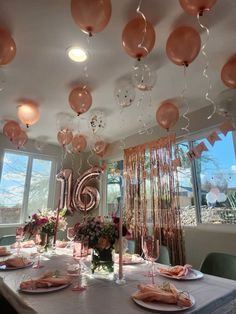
<point>152,198</point>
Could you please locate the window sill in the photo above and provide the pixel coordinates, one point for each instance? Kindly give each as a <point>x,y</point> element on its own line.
<point>228,228</point>
<point>12,225</point>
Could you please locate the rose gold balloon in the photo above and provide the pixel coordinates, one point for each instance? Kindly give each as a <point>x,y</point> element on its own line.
<point>92,16</point>
<point>193,7</point>
<point>65,177</point>
<point>183,45</point>
<point>20,140</point>
<point>80,100</point>
<point>136,41</point>
<point>64,137</point>
<point>228,72</point>
<point>83,191</point>
<point>28,113</point>
<point>99,148</point>
<point>79,143</point>
<point>167,115</point>
<point>7,47</point>
<point>11,129</point>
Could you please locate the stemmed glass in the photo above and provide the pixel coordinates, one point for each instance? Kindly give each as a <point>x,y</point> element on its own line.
<point>151,250</point>
<point>70,235</point>
<point>40,246</point>
<point>19,238</point>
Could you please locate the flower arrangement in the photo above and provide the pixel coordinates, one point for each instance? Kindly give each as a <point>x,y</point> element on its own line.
<point>100,233</point>
<point>45,222</point>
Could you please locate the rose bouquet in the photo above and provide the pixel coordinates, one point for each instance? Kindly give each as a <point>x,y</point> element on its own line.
<point>101,235</point>
<point>45,222</point>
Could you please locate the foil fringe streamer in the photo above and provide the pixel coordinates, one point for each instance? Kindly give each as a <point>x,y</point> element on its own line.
<point>205,70</point>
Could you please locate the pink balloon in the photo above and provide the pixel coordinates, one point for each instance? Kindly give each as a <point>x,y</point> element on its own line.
<point>167,115</point>
<point>136,41</point>
<point>195,7</point>
<point>64,137</point>
<point>80,100</point>
<point>82,191</point>
<point>11,129</point>
<point>99,148</point>
<point>183,45</point>
<point>92,16</point>
<point>79,143</point>
<point>20,140</point>
<point>7,47</point>
<point>228,72</point>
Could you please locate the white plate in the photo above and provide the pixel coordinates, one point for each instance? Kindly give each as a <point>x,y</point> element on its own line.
<point>4,267</point>
<point>192,275</point>
<point>44,290</point>
<point>163,307</point>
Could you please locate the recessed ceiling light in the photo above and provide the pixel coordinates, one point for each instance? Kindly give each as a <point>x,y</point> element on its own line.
<point>77,54</point>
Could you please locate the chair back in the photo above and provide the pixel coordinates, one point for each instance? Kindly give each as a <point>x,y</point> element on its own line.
<point>164,256</point>
<point>220,264</point>
<point>7,239</point>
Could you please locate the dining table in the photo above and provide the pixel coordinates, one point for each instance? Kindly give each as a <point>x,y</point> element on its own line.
<point>102,295</point>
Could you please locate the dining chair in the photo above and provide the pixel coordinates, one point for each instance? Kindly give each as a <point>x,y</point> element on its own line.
<point>164,257</point>
<point>220,264</point>
<point>7,239</point>
<point>6,306</point>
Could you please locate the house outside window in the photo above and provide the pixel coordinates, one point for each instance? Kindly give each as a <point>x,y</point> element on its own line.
<point>27,184</point>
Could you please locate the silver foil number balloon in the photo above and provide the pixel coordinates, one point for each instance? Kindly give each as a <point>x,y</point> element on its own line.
<point>65,177</point>
<point>86,197</point>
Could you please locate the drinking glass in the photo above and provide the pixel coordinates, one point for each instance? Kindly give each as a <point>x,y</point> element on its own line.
<point>70,235</point>
<point>40,246</point>
<point>151,250</point>
<point>19,238</point>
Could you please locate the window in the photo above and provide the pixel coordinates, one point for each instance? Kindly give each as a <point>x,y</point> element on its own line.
<point>26,185</point>
<point>207,185</point>
<point>115,187</point>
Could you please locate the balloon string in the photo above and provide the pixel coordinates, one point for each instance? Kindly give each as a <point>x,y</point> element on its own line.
<point>185,101</point>
<point>63,155</point>
<point>205,70</point>
<point>90,156</point>
<point>140,45</point>
<point>86,75</point>
<point>122,141</point>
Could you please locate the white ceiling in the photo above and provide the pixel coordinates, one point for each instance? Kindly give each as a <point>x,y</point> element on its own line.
<point>43,30</point>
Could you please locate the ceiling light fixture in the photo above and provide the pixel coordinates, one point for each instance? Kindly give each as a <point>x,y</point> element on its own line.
<point>77,54</point>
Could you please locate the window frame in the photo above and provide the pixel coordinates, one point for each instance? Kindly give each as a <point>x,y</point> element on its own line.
<point>52,181</point>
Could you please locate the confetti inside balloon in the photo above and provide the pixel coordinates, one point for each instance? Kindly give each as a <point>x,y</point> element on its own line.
<point>97,122</point>
<point>143,77</point>
<point>124,94</point>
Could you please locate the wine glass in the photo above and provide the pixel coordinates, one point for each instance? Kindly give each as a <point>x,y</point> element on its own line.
<point>151,250</point>
<point>70,235</point>
<point>40,246</point>
<point>19,238</point>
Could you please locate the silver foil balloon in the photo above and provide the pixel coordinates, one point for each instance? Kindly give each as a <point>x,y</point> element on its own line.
<point>86,197</point>
<point>65,178</point>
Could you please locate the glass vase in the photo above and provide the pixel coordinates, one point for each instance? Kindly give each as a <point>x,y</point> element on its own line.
<point>102,261</point>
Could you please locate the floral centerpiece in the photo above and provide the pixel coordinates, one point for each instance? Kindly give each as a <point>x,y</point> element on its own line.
<point>45,222</point>
<point>101,235</point>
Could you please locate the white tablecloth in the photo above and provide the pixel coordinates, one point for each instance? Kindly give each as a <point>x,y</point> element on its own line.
<point>211,293</point>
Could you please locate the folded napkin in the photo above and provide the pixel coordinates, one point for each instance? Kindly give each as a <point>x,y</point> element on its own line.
<point>129,258</point>
<point>16,262</point>
<point>167,293</point>
<point>25,244</point>
<point>177,271</point>
<point>61,244</point>
<point>4,251</point>
<point>46,281</point>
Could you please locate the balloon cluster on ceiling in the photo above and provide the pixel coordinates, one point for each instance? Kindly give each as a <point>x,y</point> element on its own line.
<point>138,39</point>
